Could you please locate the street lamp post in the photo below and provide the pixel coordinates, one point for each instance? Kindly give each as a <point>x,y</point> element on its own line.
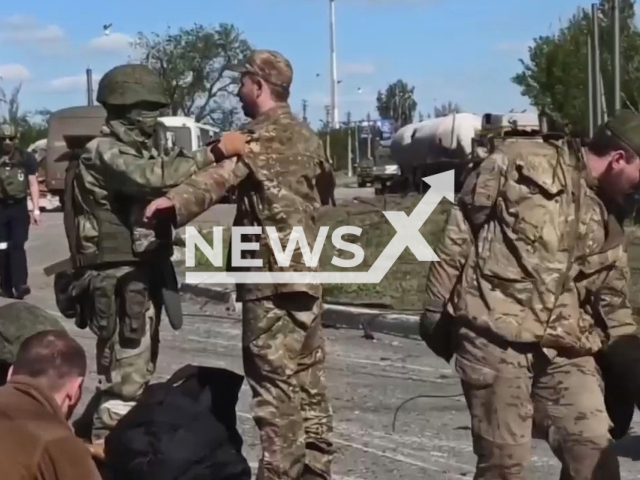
<point>334,64</point>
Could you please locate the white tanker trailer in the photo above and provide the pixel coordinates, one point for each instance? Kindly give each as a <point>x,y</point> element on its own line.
<point>434,145</point>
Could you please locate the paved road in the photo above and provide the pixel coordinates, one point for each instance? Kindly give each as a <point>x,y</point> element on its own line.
<point>367,380</point>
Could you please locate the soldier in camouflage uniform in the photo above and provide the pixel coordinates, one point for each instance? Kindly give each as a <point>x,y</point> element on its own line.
<point>120,270</point>
<point>532,282</point>
<point>283,345</point>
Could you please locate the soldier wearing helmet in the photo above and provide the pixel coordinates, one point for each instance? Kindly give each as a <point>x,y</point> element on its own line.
<point>18,169</point>
<point>121,275</point>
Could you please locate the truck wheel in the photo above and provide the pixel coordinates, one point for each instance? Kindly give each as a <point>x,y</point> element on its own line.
<point>362,183</point>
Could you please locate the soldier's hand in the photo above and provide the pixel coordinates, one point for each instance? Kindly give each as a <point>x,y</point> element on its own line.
<point>35,217</point>
<point>155,207</point>
<point>231,144</point>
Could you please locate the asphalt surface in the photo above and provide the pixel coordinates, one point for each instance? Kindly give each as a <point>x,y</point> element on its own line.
<point>367,380</point>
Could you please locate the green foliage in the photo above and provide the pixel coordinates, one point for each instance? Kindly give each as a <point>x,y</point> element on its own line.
<point>192,64</point>
<point>555,77</point>
<point>30,127</point>
<point>397,103</point>
<point>446,109</point>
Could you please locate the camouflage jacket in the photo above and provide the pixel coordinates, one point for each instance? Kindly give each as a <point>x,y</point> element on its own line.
<point>275,188</point>
<point>119,175</point>
<point>532,254</point>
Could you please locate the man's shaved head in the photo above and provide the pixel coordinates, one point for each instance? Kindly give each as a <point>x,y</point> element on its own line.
<point>52,357</point>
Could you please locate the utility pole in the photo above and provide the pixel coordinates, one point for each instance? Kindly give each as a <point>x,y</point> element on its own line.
<point>596,63</point>
<point>334,64</point>
<point>327,111</point>
<point>89,87</point>
<point>357,140</point>
<point>369,135</point>
<point>349,156</point>
<point>305,107</point>
<point>616,55</point>
<point>590,77</point>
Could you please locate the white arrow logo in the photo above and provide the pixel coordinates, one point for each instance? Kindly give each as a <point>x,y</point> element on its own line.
<point>407,235</point>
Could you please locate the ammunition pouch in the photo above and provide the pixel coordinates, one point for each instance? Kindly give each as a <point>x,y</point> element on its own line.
<point>89,297</point>
<point>134,297</point>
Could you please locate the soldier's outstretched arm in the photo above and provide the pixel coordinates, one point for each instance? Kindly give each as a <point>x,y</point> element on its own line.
<point>205,189</point>
<point>131,174</point>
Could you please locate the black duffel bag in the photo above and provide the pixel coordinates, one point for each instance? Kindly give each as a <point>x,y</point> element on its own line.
<point>181,429</point>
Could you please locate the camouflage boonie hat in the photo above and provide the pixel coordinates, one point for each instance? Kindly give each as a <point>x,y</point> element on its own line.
<point>269,65</point>
<point>131,83</point>
<point>19,320</point>
<point>625,125</point>
<point>8,131</point>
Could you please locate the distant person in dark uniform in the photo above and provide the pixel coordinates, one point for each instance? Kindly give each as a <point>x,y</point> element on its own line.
<point>18,169</point>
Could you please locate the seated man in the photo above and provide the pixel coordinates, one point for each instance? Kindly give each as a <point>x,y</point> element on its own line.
<point>44,386</point>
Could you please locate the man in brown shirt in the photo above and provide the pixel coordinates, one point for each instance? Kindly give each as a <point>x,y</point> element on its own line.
<point>44,386</point>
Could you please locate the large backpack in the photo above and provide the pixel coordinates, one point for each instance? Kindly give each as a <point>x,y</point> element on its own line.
<point>181,429</point>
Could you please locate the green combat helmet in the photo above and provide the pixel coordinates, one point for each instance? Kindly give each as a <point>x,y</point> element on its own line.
<point>19,320</point>
<point>8,131</point>
<point>131,83</point>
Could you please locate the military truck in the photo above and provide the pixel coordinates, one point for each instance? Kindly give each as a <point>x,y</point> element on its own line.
<point>380,170</point>
<point>85,122</point>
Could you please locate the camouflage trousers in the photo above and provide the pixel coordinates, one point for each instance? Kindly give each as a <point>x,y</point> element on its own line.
<point>284,355</point>
<point>516,391</point>
<point>125,357</point>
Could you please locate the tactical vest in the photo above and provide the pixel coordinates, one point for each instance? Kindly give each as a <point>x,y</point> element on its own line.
<point>14,184</point>
<point>115,242</point>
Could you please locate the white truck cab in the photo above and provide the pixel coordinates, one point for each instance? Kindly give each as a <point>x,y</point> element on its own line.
<point>188,134</point>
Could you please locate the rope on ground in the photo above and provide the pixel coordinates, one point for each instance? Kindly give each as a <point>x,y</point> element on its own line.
<point>395,414</point>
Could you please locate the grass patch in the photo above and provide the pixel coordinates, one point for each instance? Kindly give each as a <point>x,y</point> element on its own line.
<point>403,286</point>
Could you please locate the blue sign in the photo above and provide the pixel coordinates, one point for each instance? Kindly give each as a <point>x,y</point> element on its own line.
<point>387,128</point>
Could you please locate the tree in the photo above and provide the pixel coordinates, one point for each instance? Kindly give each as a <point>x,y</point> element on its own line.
<point>192,64</point>
<point>555,78</point>
<point>29,130</point>
<point>446,109</point>
<point>397,103</point>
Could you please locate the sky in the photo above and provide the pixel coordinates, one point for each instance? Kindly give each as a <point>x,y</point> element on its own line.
<point>464,51</point>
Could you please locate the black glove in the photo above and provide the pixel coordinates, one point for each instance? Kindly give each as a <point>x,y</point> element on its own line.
<point>436,331</point>
<point>620,367</point>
